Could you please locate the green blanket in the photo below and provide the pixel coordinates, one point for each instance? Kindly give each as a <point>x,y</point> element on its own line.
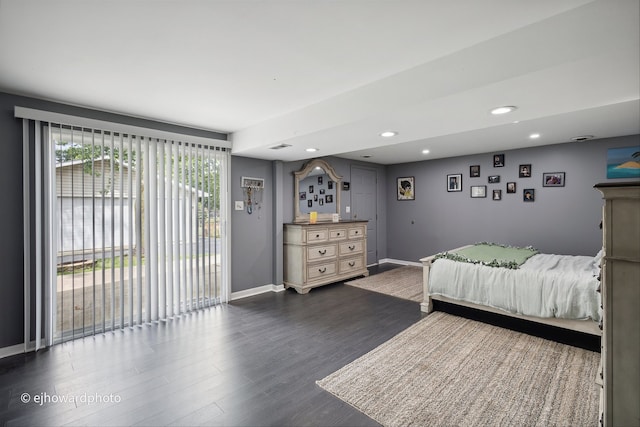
<point>492,255</point>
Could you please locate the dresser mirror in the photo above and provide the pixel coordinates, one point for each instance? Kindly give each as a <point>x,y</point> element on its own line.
<point>317,189</point>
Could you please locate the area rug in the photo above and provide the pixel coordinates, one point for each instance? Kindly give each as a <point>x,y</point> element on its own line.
<point>451,371</point>
<point>402,282</point>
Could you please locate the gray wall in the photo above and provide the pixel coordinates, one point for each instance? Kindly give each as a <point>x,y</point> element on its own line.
<point>252,245</point>
<point>562,220</point>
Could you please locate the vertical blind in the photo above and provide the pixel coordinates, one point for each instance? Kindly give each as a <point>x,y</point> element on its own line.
<point>130,226</point>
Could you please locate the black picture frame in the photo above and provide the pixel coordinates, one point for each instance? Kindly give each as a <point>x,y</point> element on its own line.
<point>497,195</point>
<point>511,187</point>
<point>454,182</point>
<point>524,171</point>
<point>478,191</point>
<point>474,171</point>
<point>529,195</point>
<point>405,188</point>
<point>493,179</point>
<point>498,160</point>
<point>553,179</point>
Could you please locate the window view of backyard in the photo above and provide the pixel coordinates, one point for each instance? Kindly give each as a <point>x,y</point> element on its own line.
<point>137,230</point>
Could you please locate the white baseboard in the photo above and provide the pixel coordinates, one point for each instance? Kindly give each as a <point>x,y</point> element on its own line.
<point>399,261</point>
<point>16,349</point>
<point>256,291</point>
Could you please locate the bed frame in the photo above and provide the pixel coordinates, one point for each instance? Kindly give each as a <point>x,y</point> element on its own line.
<point>586,326</point>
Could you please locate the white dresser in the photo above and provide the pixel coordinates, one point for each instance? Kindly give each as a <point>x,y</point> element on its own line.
<point>620,393</point>
<point>323,253</point>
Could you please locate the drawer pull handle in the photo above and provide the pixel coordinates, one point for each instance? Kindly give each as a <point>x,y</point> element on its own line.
<point>357,232</point>
<point>352,263</point>
<point>338,234</point>
<point>317,236</point>
<point>352,247</point>
<point>322,270</point>
<point>322,252</point>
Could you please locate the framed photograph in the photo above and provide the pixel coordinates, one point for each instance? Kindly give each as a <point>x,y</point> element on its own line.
<point>553,179</point>
<point>494,179</point>
<point>623,163</point>
<point>320,180</point>
<point>311,189</point>
<point>329,185</point>
<point>511,187</point>
<point>346,186</point>
<point>478,191</point>
<point>328,198</point>
<point>303,195</point>
<point>498,160</point>
<point>524,171</point>
<point>454,182</point>
<point>497,194</point>
<point>529,195</point>
<point>405,188</point>
<point>474,171</point>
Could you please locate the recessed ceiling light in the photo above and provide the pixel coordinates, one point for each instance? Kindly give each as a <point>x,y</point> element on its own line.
<point>425,151</point>
<point>582,138</point>
<point>311,150</point>
<point>388,134</point>
<point>503,110</point>
<point>534,136</point>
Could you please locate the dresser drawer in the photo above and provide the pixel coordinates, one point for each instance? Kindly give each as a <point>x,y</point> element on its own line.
<point>353,247</point>
<point>317,235</point>
<point>315,253</point>
<point>320,271</point>
<point>351,264</point>
<point>338,234</point>
<point>355,232</point>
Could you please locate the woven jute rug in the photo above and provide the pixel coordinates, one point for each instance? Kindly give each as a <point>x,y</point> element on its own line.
<point>450,371</point>
<point>402,282</point>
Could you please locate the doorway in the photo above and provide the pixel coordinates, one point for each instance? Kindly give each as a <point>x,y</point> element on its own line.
<point>364,202</point>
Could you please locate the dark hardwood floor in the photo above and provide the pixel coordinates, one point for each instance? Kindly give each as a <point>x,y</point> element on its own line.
<point>252,362</point>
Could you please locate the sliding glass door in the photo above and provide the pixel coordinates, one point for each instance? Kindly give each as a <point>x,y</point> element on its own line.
<point>129,229</point>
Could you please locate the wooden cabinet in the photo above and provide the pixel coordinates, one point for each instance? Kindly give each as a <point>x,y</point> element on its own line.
<point>322,253</point>
<point>620,393</point>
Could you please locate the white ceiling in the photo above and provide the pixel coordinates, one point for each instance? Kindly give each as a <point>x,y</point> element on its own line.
<point>334,74</point>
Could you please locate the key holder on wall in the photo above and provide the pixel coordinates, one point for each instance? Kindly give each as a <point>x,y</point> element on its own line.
<point>252,189</point>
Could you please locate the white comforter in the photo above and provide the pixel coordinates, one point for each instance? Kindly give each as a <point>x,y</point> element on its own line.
<point>544,286</point>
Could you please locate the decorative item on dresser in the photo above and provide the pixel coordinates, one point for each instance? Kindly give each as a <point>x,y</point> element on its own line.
<point>620,287</point>
<point>323,253</point>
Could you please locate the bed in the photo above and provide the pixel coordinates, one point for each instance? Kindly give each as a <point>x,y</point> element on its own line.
<point>557,290</point>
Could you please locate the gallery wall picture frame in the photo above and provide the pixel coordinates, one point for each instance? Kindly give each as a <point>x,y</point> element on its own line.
<point>524,171</point>
<point>498,160</point>
<point>511,187</point>
<point>553,179</point>
<point>405,187</point>
<point>474,171</point>
<point>497,194</point>
<point>454,182</point>
<point>494,179</point>
<point>478,191</point>
<point>529,195</point>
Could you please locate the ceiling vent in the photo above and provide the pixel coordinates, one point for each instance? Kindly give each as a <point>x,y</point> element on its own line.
<point>279,147</point>
<point>582,138</point>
